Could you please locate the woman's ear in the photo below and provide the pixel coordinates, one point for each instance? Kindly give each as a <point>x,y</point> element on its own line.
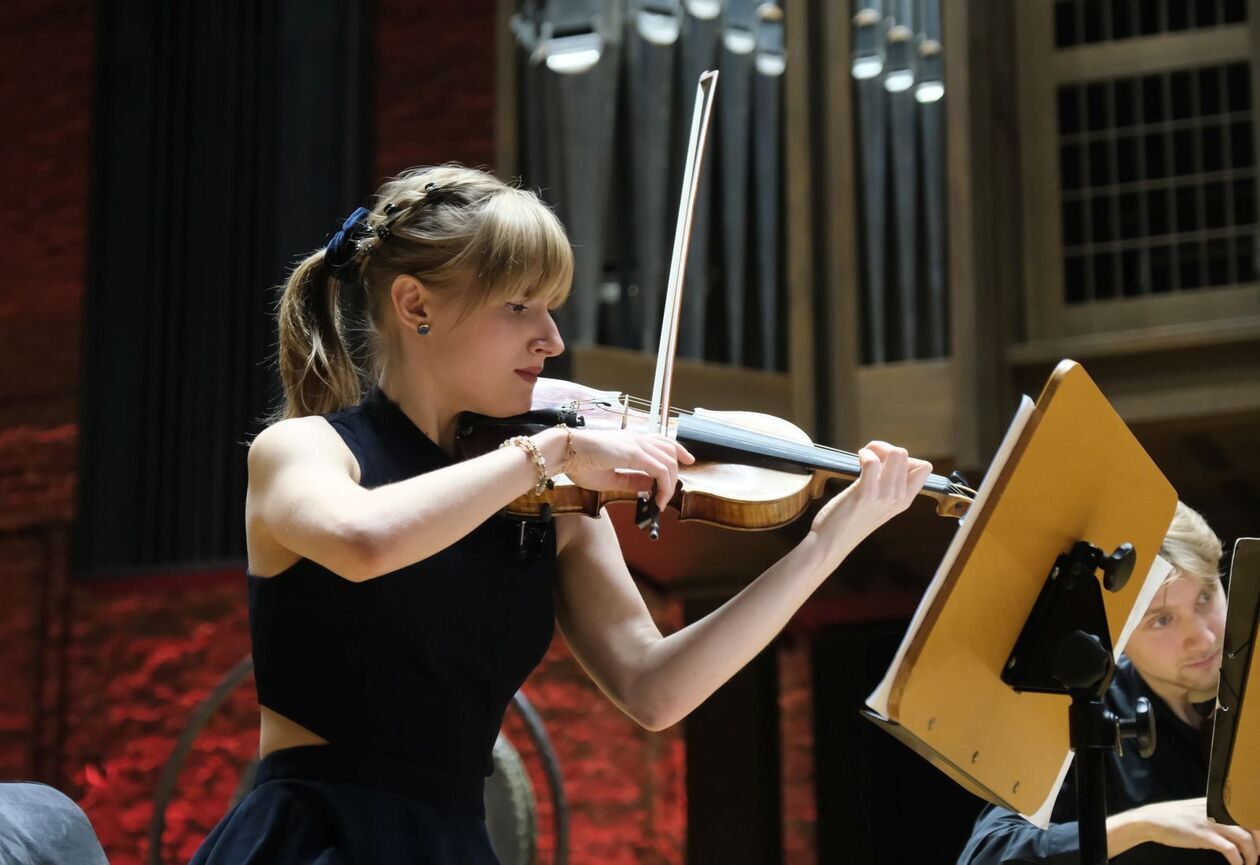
<point>412,302</point>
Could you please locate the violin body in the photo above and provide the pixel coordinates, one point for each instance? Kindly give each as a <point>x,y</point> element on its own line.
<point>753,471</point>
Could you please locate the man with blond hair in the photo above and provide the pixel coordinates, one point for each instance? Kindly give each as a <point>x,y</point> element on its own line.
<point>1157,808</point>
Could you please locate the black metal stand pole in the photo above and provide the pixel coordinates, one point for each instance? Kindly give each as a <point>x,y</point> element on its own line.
<point>1088,722</point>
<point>1065,648</point>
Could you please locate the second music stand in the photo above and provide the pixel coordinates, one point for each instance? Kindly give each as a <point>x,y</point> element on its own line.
<point>1234,767</point>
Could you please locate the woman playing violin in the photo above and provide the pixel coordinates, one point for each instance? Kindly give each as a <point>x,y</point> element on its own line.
<point>391,614</point>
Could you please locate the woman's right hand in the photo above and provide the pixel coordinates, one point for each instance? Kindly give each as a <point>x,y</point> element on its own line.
<point>619,460</point>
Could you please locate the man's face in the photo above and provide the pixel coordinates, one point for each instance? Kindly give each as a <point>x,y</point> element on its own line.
<point>1177,647</point>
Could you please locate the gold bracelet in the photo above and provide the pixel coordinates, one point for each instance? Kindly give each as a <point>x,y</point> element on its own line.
<point>526,444</point>
<point>569,452</point>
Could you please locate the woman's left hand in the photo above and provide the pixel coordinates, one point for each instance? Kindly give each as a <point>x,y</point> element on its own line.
<point>889,482</point>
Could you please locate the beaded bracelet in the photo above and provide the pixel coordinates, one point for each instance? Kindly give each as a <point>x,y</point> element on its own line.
<point>526,444</point>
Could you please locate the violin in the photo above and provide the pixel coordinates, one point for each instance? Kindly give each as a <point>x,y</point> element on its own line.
<point>752,471</point>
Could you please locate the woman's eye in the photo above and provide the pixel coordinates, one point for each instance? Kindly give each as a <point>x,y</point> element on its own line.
<point>517,307</point>
<point>1205,596</point>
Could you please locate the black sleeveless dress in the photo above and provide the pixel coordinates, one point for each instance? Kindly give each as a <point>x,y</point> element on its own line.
<point>407,676</point>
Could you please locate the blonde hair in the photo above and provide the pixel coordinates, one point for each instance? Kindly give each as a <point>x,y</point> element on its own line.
<point>1191,547</point>
<point>454,229</point>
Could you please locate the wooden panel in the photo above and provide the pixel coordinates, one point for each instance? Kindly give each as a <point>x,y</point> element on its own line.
<point>1039,161</point>
<point>1132,313</point>
<point>1211,379</point>
<point>1041,71</point>
<point>799,177</point>
<point>1253,51</point>
<point>505,129</point>
<point>1146,54</point>
<point>840,229</point>
<point>909,404</point>
<point>983,238</point>
<point>696,383</point>
<point>1150,339</point>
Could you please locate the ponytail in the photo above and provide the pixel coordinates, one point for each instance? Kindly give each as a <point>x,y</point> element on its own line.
<point>316,368</point>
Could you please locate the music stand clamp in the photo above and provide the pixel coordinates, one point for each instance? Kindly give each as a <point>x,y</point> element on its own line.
<point>1065,648</point>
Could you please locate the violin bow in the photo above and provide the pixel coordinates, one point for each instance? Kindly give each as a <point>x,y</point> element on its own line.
<point>647,513</point>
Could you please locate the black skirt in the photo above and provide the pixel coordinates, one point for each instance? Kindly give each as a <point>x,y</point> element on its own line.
<point>326,805</point>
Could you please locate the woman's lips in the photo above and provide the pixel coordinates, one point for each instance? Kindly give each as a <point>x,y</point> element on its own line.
<point>528,375</point>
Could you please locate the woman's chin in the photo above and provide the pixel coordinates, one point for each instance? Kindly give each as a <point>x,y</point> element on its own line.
<point>516,405</point>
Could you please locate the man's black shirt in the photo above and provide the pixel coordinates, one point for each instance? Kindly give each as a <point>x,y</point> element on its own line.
<point>1177,770</point>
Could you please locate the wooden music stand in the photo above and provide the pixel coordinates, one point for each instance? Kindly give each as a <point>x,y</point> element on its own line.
<point>1234,767</point>
<point>1069,470</point>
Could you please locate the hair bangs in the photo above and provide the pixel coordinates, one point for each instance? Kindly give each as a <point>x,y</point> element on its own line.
<point>521,251</point>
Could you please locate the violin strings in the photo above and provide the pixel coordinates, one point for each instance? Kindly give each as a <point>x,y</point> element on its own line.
<point>639,402</point>
<point>642,404</point>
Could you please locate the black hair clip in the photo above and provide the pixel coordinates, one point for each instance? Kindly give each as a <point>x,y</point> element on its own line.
<point>342,253</point>
<point>430,186</point>
<point>391,212</point>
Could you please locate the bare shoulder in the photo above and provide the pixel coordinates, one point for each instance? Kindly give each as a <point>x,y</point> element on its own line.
<point>304,440</point>
<point>291,463</point>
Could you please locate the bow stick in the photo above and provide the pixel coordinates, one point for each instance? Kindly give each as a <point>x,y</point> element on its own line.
<point>647,513</point>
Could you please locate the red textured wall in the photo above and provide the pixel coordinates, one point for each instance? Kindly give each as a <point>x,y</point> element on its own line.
<point>796,739</point>
<point>45,98</point>
<point>434,83</point>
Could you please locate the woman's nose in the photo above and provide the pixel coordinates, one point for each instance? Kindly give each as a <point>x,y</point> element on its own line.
<point>551,344</point>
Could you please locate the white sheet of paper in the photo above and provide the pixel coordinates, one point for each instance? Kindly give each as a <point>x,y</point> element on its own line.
<point>1155,577</point>
<point>1041,817</point>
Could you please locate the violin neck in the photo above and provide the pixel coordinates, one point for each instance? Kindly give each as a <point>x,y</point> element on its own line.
<point>712,440</point>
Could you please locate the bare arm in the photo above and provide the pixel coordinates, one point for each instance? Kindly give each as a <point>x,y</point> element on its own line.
<point>659,680</point>
<point>304,498</point>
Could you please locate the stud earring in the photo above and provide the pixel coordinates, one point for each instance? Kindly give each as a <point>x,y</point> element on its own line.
<point>422,329</point>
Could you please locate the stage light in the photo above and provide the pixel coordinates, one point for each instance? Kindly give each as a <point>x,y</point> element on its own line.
<point>899,76</point>
<point>868,43</point>
<point>931,85</point>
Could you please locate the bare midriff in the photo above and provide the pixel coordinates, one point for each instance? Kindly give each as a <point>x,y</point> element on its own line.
<point>278,732</point>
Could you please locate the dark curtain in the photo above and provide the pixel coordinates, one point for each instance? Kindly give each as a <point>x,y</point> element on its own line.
<point>229,138</point>
<point>878,801</point>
